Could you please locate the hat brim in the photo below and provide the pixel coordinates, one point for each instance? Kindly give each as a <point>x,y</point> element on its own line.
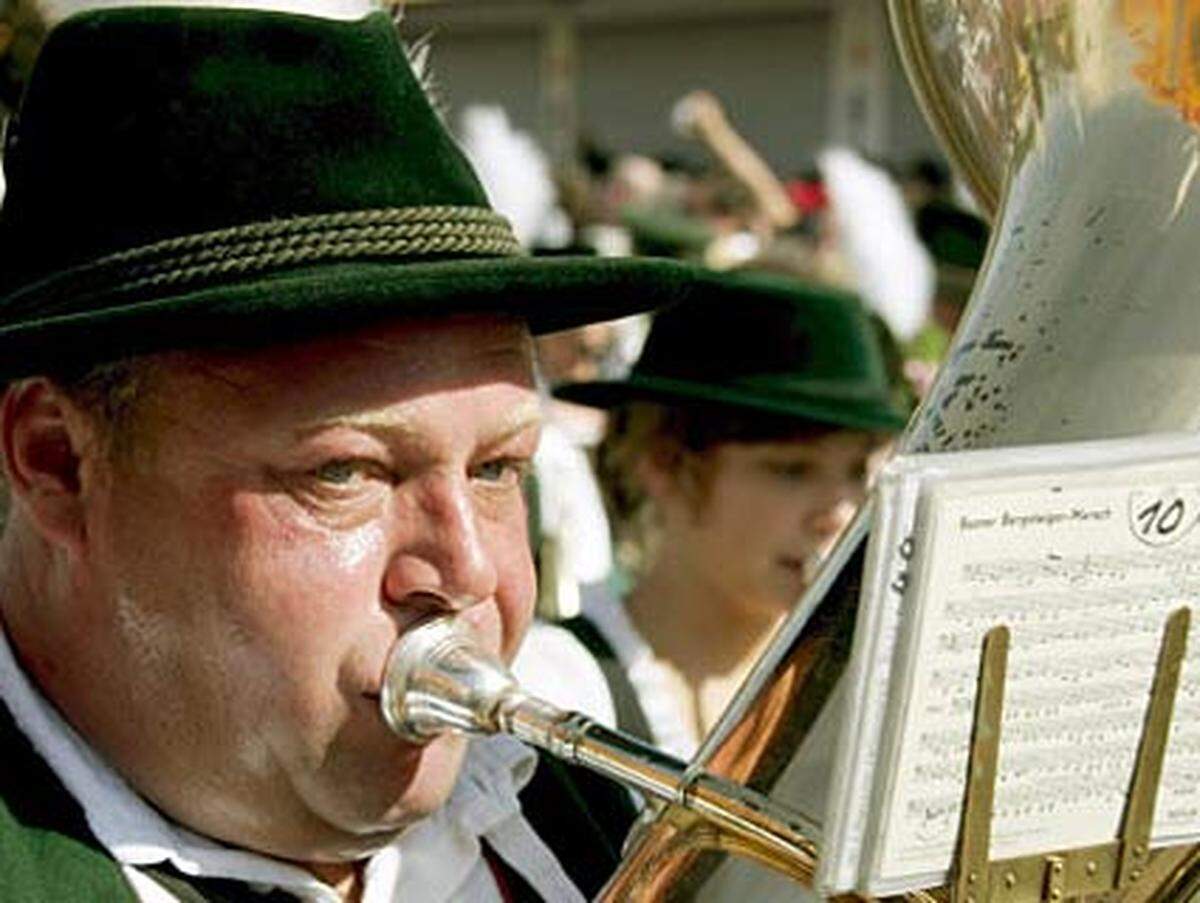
<point>872,415</point>
<point>548,293</point>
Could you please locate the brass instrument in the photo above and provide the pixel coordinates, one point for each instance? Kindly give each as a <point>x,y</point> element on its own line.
<point>1074,122</point>
<point>438,678</point>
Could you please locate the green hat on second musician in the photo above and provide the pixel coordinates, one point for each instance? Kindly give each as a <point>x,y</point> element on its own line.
<point>766,343</point>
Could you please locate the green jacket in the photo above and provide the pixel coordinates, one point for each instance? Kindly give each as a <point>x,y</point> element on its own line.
<point>48,853</point>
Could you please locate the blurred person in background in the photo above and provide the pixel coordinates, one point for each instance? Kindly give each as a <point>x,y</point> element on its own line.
<point>572,537</point>
<point>872,227</point>
<point>926,180</point>
<point>957,241</point>
<point>736,452</point>
<point>721,214</point>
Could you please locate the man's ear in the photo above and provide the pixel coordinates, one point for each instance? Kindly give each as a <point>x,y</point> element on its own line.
<point>45,440</point>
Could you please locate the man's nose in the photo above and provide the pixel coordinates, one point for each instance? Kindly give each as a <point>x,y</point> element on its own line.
<point>445,553</point>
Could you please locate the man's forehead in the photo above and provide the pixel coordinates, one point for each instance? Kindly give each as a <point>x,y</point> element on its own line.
<point>487,336</point>
<point>379,374</point>
<point>406,422</point>
<point>418,348</point>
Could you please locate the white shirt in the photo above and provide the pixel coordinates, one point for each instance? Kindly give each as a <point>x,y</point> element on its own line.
<point>569,504</point>
<point>649,676</point>
<point>556,667</point>
<point>435,861</point>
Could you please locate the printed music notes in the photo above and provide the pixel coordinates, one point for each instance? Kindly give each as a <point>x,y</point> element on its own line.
<point>1082,550</point>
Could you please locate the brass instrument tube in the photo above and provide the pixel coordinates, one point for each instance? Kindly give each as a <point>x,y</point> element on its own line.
<point>437,680</point>
<point>750,816</point>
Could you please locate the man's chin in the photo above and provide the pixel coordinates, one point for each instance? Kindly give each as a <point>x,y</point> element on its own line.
<point>417,788</point>
<point>360,815</point>
<point>433,780</point>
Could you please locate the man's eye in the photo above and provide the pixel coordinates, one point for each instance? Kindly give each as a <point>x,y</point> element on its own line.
<point>505,471</point>
<point>339,473</point>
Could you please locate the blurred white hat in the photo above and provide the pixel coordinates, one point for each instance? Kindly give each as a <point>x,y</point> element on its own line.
<point>891,268</point>
<point>514,171</point>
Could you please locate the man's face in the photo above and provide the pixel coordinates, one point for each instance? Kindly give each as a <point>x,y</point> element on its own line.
<point>297,509</point>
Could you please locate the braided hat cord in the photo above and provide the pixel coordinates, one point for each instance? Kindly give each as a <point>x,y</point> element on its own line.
<point>408,233</point>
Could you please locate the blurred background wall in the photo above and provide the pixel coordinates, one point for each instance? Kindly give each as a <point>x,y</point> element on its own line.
<point>793,74</point>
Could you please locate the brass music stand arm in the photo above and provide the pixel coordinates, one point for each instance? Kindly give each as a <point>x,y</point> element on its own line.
<point>971,872</point>
<point>1053,877</point>
<point>1143,789</point>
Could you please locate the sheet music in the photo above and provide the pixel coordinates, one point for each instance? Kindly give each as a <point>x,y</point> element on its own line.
<point>887,565</point>
<point>1084,568</point>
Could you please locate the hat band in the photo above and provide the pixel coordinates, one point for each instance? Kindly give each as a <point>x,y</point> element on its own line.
<point>400,233</point>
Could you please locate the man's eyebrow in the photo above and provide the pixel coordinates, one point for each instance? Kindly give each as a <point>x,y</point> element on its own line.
<point>393,425</point>
<point>376,423</point>
<point>520,420</point>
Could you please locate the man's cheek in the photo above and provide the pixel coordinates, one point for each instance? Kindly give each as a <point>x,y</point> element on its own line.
<point>516,594</point>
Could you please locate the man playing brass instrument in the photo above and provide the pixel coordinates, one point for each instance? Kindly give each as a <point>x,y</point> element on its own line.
<point>268,401</point>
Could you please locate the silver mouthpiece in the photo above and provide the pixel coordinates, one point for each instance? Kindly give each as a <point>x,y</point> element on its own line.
<point>439,678</point>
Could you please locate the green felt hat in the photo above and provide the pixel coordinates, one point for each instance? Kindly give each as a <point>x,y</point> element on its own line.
<point>765,343</point>
<point>181,177</point>
<point>662,232</point>
<point>957,241</point>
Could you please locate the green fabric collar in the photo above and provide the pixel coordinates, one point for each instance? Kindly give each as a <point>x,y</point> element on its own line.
<point>47,852</point>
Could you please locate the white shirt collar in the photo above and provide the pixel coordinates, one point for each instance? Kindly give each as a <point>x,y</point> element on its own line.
<point>440,852</point>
